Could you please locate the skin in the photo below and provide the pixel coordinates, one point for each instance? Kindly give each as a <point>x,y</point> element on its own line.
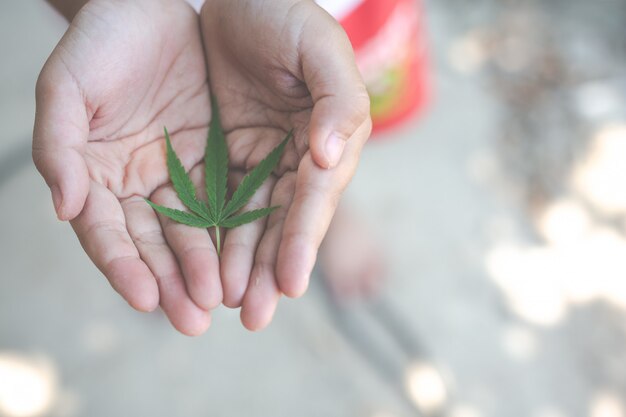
<point>124,69</point>
<point>121,72</point>
<point>277,65</point>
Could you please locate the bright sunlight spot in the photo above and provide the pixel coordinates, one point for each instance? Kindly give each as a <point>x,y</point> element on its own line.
<point>563,222</point>
<point>529,279</point>
<point>600,177</point>
<point>27,385</point>
<point>606,404</point>
<point>581,262</point>
<point>467,54</point>
<point>425,387</point>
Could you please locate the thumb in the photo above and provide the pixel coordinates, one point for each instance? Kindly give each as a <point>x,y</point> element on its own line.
<point>341,103</point>
<point>59,137</point>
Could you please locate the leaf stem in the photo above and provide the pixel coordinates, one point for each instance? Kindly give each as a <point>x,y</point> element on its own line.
<point>219,241</point>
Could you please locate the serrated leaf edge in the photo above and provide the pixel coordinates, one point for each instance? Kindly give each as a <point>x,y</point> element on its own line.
<point>233,221</point>
<point>199,222</point>
<point>239,197</point>
<point>181,182</point>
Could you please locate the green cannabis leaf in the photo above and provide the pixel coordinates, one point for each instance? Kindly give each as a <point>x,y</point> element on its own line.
<point>217,212</point>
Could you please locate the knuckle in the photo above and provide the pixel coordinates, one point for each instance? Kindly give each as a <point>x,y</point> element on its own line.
<point>362,104</point>
<point>150,238</point>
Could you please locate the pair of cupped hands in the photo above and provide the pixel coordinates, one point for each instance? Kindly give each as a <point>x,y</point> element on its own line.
<point>125,69</point>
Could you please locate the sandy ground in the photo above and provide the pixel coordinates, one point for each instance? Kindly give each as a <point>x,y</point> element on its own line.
<point>466,312</point>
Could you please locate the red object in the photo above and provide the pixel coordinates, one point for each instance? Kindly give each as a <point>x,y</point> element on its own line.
<point>388,37</point>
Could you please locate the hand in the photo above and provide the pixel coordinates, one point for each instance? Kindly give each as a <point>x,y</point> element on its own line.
<point>275,65</point>
<point>122,72</point>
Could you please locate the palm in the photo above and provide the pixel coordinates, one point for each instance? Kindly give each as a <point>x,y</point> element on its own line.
<point>257,113</point>
<point>137,68</point>
<point>161,81</point>
<point>262,61</point>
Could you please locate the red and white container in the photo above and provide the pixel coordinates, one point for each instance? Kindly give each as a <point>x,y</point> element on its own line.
<point>388,37</point>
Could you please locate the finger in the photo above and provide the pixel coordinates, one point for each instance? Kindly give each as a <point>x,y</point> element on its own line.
<point>341,102</point>
<point>316,197</point>
<point>145,229</point>
<point>240,247</point>
<point>194,250</point>
<point>262,294</point>
<point>101,229</point>
<point>60,133</point>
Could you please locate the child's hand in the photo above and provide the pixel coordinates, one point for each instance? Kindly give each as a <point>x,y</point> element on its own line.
<point>122,72</point>
<point>276,65</point>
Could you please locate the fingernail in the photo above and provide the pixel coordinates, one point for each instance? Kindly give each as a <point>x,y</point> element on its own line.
<point>57,198</point>
<point>334,149</point>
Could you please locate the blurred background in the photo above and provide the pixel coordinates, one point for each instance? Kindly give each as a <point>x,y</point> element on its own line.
<point>501,207</point>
